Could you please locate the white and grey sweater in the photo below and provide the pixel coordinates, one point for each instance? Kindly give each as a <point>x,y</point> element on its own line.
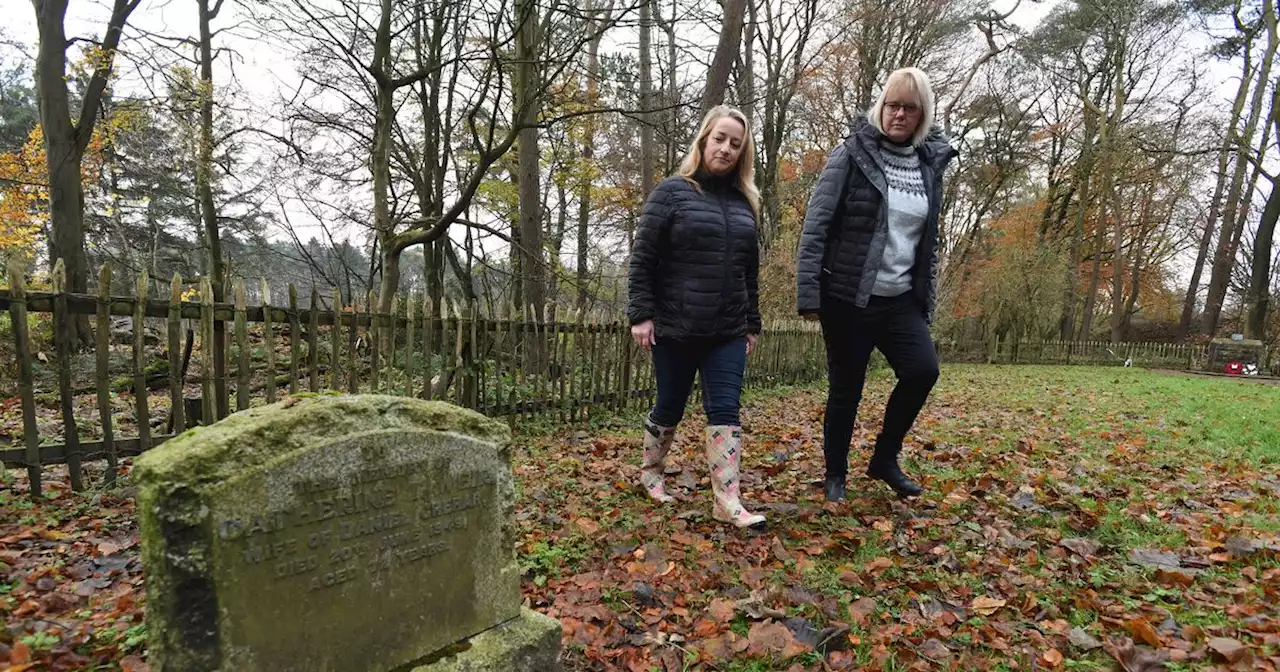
<point>908,207</point>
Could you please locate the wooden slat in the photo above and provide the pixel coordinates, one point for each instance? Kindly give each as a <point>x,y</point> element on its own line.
<point>409,364</point>
<point>140,392</point>
<point>62,335</point>
<point>295,333</point>
<point>428,346</point>
<point>242,344</point>
<point>56,453</point>
<point>501,348</point>
<point>459,370</point>
<point>373,336</point>
<point>313,341</point>
<point>177,414</point>
<point>206,352</point>
<point>390,346</point>
<point>269,343</point>
<point>353,383</point>
<point>104,372</point>
<point>124,306</point>
<point>335,354</point>
<point>473,360</point>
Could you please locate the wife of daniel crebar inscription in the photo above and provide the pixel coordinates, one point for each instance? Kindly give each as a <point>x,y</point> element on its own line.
<point>390,535</point>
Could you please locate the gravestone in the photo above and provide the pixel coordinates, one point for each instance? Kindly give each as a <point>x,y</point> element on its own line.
<point>336,533</point>
<point>1235,356</point>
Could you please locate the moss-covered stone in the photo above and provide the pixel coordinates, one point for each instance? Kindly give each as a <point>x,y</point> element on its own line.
<point>530,643</point>
<point>326,533</point>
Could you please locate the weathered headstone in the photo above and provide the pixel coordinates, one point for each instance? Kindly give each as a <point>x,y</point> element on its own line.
<point>333,533</point>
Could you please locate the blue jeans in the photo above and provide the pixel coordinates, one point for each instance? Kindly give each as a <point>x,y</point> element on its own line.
<point>720,364</point>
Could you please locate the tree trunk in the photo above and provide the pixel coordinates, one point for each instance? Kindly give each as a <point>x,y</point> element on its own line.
<point>747,78</point>
<point>1225,252</point>
<point>587,170</point>
<point>673,95</point>
<point>380,160</point>
<point>647,158</point>
<point>1211,222</point>
<point>208,209</point>
<point>1260,278</point>
<point>1095,279</point>
<point>532,269</point>
<point>65,142</point>
<point>726,54</point>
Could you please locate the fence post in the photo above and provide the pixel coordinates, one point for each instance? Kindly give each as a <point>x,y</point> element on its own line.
<point>206,351</point>
<point>335,335</point>
<point>374,334</point>
<point>140,364</point>
<point>177,414</point>
<point>104,373</point>
<point>26,389</point>
<point>409,368</point>
<point>428,345</point>
<point>295,331</point>
<point>313,341</point>
<point>62,335</point>
<point>269,342</point>
<point>242,346</point>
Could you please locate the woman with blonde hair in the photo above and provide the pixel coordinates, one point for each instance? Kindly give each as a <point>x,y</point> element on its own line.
<point>867,269</point>
<point>694,303</point>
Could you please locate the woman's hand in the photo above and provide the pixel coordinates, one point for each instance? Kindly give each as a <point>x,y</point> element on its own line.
<point>642,334</point>
<point>751,342</point>
<point>810,317</point>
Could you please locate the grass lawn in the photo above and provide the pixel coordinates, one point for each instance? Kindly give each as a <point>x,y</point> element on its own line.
<point>1074,518</point>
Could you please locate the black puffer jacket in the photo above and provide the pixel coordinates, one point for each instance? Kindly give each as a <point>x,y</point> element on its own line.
<point>695,263</point>
<point>846,223</point>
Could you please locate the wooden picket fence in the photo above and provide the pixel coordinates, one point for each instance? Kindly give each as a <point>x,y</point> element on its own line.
<point>512,365</point>
<point>1095,353</point>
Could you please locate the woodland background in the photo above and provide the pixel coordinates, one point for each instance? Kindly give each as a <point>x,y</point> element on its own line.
<point>1115,180</point>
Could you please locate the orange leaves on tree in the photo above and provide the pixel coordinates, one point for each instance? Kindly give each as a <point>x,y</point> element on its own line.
<point>24,195</point>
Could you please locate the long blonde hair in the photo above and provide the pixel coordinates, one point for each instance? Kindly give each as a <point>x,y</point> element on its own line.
<point>916,82</point>
<point>745,171</point>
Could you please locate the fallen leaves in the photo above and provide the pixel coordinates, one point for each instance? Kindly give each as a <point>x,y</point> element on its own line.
<point>1083,640</point>
<point>769,638</point>
<point>1141,630</point>
<point>986,606</point>
<point>1229,650</point>
<point>1037,546</point>
<point>1155,559</point>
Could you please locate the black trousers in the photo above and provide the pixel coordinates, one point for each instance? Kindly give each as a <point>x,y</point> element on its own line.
<point>896,326</point>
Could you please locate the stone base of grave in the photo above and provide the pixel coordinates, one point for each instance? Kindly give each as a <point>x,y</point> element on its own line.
<point>528,643</point>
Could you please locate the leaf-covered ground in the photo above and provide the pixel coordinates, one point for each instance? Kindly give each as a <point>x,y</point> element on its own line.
<point>1074,519</point>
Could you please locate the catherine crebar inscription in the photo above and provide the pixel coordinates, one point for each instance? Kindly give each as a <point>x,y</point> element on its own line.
<point>362,551</point>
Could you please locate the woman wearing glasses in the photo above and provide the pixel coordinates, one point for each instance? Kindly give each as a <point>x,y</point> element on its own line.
<point>867,269</point>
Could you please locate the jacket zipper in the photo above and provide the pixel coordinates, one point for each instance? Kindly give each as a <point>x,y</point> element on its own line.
<point>728,250</point>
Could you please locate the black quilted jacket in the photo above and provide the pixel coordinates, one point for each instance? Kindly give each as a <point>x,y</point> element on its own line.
<point>695,262</point>
<point>846,224</point>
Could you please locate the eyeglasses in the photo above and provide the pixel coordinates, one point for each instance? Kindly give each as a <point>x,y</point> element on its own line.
<point>906,108</point>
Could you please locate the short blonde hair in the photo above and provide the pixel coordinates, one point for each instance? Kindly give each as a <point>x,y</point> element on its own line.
<point>745,170</point>
<point>915,82</point>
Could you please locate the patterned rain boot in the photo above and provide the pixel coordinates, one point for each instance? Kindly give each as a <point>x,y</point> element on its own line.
<point>724,453</point>
<point>657,443</point>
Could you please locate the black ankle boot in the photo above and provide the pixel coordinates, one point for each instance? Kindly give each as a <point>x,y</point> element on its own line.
<point>884,467</point>
<point>833,488</point>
